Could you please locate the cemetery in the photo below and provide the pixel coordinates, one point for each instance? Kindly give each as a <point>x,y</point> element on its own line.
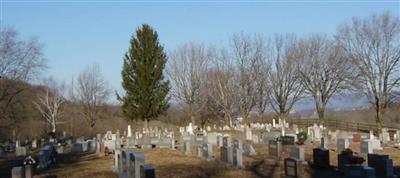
<point>199,89</point>
<point>155,151</point>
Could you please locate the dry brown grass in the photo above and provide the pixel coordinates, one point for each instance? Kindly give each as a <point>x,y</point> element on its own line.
<point>173,164</point>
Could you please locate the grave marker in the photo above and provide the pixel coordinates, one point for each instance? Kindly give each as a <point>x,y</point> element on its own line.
<point>293,167</point>
<point>297,152</point>
<point>382,164</point>
<point>275,149</point>
<point>147,171</point>
<point>17,172</point>
<point>321,157</point>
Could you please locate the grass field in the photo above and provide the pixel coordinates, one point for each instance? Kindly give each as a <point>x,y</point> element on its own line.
<point>173,164</point>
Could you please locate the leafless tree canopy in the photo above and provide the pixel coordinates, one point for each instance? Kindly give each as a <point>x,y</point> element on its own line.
<point>323,70</point>
<point>91,92</point>
<point>247,52</point>
<point>19,59</point>
<point>373,45</point>
<point>222,84</point>
<point>187,72</point>
<point>285,83</point>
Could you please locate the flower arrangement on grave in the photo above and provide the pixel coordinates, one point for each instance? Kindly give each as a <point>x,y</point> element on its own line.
<point>301,137</point>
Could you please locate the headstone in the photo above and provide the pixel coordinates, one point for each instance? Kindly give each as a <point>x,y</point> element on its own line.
<point>249,135</point>
<point>173,144</point>
<point>17,172</point>
<point>220,141</point>
<point>275,149</point>
<point>287,140</point>
<point>382,164</point>
<point>342,160</point>
<point>237,157</point>
<point>110,144</point>
<point>147,171</point>
<point>199,151</point>
<point>293,167</point>
<point>341,145</point>
<point>28,171</point>
<point>186,148</point>
<point>77,148</point>
<point>208,151</point>
<point>267,136</point>
<point>20,151</point>
<point>199,140</point>
<point>227,154</point>
<point>358,171</point>
<point>321,157</point>
<point>385,135</point>
<point>356,137</point>
<point>366,147</point>
<point>226,141</point>
<point>237,143</point>
<point>248,149</point>
<point>91,144</point>
<point>129,131</point>
<point>297,152</point>
<point>34,144</point>
<point>255,139</point>
<point>117,161</point>
<point>138,159</point>
<point>324,142</point>
<point>212,138</point>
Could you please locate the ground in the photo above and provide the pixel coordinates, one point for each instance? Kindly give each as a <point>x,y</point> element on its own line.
<point>173,164</point>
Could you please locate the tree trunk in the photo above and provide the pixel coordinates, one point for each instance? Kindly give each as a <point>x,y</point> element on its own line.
<point>192,119</point>
<point>321,114</point>
<point>53,127</point>
<point>380,113</point>
<point>146,123</point>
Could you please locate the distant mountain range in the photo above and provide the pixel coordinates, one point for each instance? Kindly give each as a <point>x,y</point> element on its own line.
<point>343,102</point>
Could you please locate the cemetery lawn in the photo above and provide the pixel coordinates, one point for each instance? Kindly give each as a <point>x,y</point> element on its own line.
<point>173,164</point>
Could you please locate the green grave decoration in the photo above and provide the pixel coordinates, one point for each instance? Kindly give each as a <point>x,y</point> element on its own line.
<point>301,137</point>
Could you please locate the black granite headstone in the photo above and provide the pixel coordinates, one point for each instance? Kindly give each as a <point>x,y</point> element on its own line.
<point>321,158</point>
<point>147,171</point>
<point>287,140</point>
<point>382,164</point>
<point>358,171</point>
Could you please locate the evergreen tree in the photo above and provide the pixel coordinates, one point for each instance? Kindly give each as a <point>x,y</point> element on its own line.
<point>143,80</point>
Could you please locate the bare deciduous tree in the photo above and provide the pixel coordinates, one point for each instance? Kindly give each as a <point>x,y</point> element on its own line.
<point>92,92</point>
<point>285,84</point>
<point>50,103</point>
<point>222,84</point>
<point>20,60</point>
<point>323,70</point>
<point>247,50</point>
<point>373,45</point>
<point>187,72</point>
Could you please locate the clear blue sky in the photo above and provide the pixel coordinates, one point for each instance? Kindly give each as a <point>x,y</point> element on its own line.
<point>79,33</point>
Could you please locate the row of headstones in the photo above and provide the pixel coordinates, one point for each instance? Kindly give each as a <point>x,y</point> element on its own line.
<point>128,163</point>
<point>81,146</point>
<point>232,153</point>
<point>147,141</point>
<point>378,164</point>
<point>47,157</point>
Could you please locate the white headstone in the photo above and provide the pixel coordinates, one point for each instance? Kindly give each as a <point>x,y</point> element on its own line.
<point>129,131</point>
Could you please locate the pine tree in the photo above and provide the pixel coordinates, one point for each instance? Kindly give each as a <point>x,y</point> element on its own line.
<point>143,80</point>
